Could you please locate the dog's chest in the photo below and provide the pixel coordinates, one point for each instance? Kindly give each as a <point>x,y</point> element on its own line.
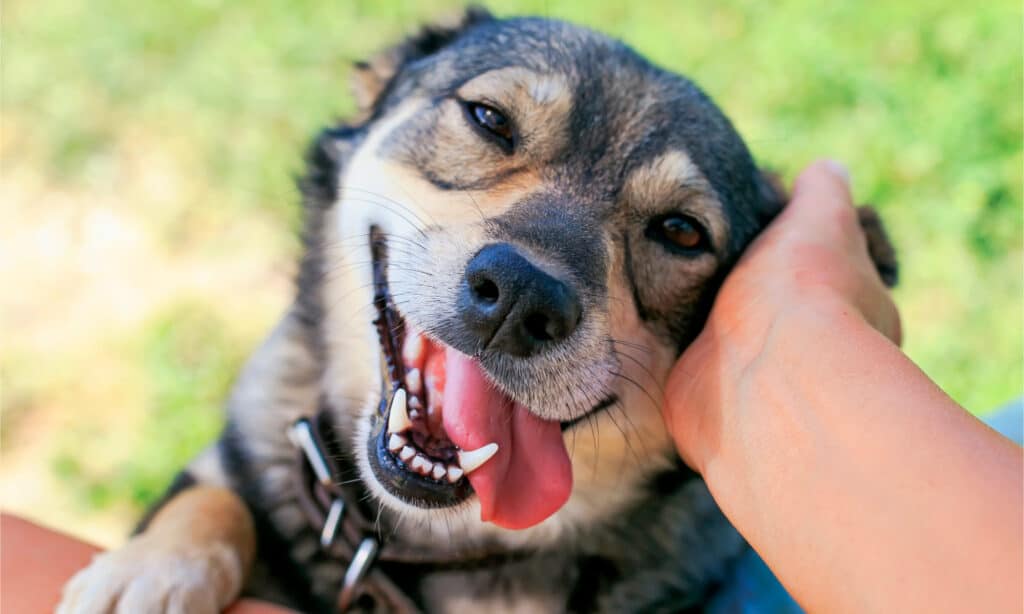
<point>530,587</point>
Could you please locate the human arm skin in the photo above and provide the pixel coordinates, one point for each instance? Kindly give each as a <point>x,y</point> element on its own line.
<point>861,484</point>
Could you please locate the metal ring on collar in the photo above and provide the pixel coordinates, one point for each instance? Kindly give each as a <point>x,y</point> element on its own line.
<point>362,560</point>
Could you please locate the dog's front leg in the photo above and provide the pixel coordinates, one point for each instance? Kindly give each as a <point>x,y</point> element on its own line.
<point>192,558</point>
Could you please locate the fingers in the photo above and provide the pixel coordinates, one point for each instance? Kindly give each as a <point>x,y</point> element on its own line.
<point>822,205</point>
<point>825,211</point>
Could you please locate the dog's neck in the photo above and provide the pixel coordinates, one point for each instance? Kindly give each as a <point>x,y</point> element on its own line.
<point>335,505</point>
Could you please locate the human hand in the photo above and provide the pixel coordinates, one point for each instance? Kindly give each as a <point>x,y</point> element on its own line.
<point>811,262</point>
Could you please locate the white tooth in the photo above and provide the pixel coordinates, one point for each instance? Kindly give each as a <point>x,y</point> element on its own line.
<point>406,453</point>
<point>421,465</point>
<point>438,471</point>
<point>396,442</point>
<point>454,473</point>
<point>398,415</point>
<point>413,381</point>
<point>415,403</point>
<point>412,351</point>
<point>470,460</point>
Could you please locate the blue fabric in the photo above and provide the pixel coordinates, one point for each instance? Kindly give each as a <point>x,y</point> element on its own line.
<point>752,588</point>
<point>1009,420</point>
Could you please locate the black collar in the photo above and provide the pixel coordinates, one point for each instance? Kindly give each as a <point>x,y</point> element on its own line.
<point>333,501</point>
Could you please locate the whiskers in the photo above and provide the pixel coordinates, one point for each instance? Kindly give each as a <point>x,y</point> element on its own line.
<point>632,442</point>
<point>395,207</point>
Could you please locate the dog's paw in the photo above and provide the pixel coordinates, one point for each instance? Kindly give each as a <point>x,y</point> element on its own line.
<point>151,575</point>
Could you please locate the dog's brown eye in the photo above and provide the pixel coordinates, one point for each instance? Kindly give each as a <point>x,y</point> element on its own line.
<point>679,233</point>
<point>492,121</point>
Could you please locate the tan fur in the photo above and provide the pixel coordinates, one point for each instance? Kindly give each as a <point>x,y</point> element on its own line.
<point>541,103</point>
<point>370,78</point>
<point>193,558</point>
<point>673,178</point>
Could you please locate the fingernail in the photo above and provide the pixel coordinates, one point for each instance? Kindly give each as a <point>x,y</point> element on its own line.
<point>839,169</point>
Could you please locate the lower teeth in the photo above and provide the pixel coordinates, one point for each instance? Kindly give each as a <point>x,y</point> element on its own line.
<point>418,463</point>
<point>401,413</point>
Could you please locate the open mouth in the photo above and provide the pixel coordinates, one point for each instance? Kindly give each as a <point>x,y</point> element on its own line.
<point>410,453</point>
<point>445,432</point>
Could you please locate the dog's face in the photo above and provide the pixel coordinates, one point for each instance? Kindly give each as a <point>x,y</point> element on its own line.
<point>527,231</point>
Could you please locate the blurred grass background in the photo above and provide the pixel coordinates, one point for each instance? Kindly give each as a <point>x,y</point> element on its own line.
<point>147,208</point>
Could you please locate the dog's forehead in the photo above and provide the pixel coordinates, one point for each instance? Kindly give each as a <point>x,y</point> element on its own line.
<point>622,112</point>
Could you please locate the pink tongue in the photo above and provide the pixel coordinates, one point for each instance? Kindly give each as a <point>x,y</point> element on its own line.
<point>530,476</point>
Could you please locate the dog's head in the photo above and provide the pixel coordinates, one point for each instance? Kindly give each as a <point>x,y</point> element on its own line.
<point>513,245</point>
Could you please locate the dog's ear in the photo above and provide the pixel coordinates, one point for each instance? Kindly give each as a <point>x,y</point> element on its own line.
<point>372,78</point>
<point>879,247</point>
<point>771,192</point>
<point>774,196</point>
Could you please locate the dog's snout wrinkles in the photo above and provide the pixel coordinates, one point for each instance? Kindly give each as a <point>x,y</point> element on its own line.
<point>513,306</point>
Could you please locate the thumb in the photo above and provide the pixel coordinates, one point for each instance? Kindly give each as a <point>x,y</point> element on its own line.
<point>824,178</point>
<point>821,208</point>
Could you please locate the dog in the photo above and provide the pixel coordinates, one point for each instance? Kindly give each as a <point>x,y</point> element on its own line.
<point>505,252</point>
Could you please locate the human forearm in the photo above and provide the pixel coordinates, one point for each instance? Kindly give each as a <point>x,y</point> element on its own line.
<point>856,478</point>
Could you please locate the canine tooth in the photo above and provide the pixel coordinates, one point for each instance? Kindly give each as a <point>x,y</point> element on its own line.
<point>470,460</point>
<point>454,473</point>
<point>396,442</point>
<point>438,471</point>
<point>413,381</point>
<point>406,453</point>
<point>415,403</point>
<point>398,415</point>
<point>412,351</point>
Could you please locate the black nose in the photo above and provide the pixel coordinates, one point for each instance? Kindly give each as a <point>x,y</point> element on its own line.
<point>513,306</point>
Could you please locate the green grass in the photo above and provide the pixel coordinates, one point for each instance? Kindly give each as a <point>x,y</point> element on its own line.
<point>189,358</point>
<point>922,99</point>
